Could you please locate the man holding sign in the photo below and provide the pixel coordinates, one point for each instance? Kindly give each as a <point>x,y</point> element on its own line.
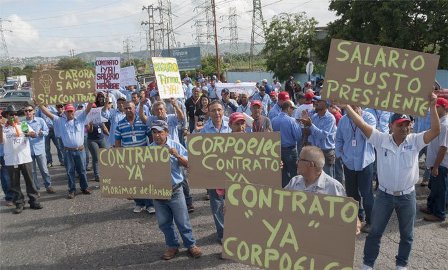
<point>397,155</point>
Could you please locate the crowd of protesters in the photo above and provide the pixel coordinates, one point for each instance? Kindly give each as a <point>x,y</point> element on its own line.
<point>335,149</point>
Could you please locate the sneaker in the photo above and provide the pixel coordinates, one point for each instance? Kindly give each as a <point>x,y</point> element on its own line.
<point>170,253</point>
<point>36,206</point>
<point>151,210</point>
<point>49,165</point>
<point>366,267</point>
<point>139,209</point>
<point>86,191</point>
<point>402,268</point>
<point>51,190</point>
<point>71,195</point>
<point>190,208</point>
<point>18,209</point>
<point>9,203</point>
<point>366,228</point>
<point>195,252</point>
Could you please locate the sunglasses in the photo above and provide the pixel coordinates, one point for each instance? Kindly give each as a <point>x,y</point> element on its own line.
<point>30,110</point>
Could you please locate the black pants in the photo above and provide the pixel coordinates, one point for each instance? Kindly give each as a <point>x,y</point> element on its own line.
<point>14,174</point>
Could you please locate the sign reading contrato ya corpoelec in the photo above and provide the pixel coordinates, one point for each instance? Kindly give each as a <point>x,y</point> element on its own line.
<point>135,172</point>
<point>379,77</point>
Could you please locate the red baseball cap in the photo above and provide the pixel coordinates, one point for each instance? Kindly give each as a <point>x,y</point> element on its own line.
<point>442,102</point>
<point>283,96</point>
<point>273,94</point>
<point>69,107</point>
<point>236,116</point>
<point>256,102</point>
<point>309,95</point>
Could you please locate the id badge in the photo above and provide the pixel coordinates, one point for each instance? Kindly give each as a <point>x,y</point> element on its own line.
<point>99,130</point>
<point>134,138</point>
<point>353,142</point>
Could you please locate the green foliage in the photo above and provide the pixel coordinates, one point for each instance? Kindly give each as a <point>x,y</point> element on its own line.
<point>288,38</point>
<point>209,66</point>
<point>71,63</point>
<point>418,25</point>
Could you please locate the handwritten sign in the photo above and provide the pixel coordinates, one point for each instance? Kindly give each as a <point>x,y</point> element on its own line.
<point>107,73</point>
<point>281,229</point>
<point>168,77</point>
<point>239,157</point>
<point>53,87</point>
<point>379,77</point>
<point>136,172</point>
<point>248,88</point>
<point>94,116</point>
<point>127,76</point>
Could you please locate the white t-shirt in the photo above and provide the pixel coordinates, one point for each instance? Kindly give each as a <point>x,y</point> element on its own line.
<point>17,148</point>
<point>301,108</point>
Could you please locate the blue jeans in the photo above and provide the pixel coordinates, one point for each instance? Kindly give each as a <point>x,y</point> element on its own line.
<point>94,147</point>
<point>144,202</point>
<point>175,209</point>
<point>437,197</point>
<point>61,145</point>
<point>6,180</point>
<point>217,206</point>
<point>358,185</point>
<point>289,159</point>
<point>383,207</point>
<point>76,160</point>
<point>427,172</point>
<point>52,138</point>
<point>41,161</point>
<point>86,146</point>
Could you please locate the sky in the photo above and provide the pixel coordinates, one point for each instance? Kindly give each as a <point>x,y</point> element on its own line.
<point>54,27</point>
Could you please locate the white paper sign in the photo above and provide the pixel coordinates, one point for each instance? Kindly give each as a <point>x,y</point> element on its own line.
<point>248,88</point>
<point>127,76</point>
<point>94,115</point>
<point>168,77</point>
<point>107,73</point>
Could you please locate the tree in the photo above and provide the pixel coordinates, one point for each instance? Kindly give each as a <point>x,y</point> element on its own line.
<point>71,63</point>
<point>288,38</point>
<point>208,66</point>
<point>418,25</point>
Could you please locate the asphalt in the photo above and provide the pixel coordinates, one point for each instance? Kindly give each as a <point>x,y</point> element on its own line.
<point>91,232</point>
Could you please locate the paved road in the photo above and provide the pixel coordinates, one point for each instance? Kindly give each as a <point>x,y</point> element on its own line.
<point>90,232</point>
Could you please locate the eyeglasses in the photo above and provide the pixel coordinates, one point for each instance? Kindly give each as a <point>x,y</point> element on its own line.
<point>30,110</point>
<point>306,160</point>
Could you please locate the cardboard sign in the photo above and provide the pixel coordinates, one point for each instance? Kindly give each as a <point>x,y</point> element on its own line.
<point>107,73</point>
<point>248,88</point>
<point>239,157</point>
<point>127,76</point>
<point>135,172</point>
<point>379,77</point>
<point>280,229</point>
<point>53,87</point>
<point>168,77</point>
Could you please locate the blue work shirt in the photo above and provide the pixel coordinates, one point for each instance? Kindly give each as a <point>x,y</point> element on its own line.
<point>72,131</point>
<point>114,116</point>
<point>422,124</point>
<point>323,131</point>
<point>274,111</point>
<point>2,152</point>
<point>209,127</point>
<point>38,144</point>
<point>47,119</point>
<point>176,172</point>
<point>382,119</point>
<point>171,120</point>
<point>132,135</point>
<point>352,145</point>
<point>290,131</point>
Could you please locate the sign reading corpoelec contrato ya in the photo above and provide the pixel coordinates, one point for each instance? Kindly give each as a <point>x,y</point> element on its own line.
<point>168,77</point>
<point>187,58</point>
<point>379,77</point>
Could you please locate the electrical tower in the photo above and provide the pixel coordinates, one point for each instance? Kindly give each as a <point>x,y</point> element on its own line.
<point>233,30</point>
<point>127,47</point>
<point>72,53</point>
<point>204,20</point>
<point>166,24</point>
<point>151,35</point>
<point>258,27</point>
<point>4,54</point>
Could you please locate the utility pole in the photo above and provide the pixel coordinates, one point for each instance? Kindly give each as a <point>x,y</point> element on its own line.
<point>71,53</point>
<point>258,30</point>
<point>218,69</point>
<point>4,47</point>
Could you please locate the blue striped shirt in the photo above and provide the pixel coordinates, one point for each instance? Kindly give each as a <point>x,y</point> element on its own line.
<point>38,144</point>
<point>323,131</point>
<point>135,135</point>
<point>176,173</point>
<point>72,131</point>
<point>290,131</point>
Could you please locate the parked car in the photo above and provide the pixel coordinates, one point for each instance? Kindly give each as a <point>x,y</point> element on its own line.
<point>2,92</point>
<point>18,98</point>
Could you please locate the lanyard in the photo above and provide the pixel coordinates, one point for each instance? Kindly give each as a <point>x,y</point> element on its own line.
<point>354,128</point>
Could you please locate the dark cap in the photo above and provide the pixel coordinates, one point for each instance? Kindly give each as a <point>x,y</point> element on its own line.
<point>225,91</point>
<point>398,118</point>
<point>121,98</point>
<point>159,125</point>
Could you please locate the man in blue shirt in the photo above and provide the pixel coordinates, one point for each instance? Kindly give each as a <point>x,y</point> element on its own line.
<point>51,137</point>
<point>175,209</point>
<point>132,131</point>
<point>291,135</point>
<point>37,145</point>
<point>268,88</point>
<point>264,98</point>
<point>71,129</point>
<point>358,157</point>
<point>277,108</point>
<point>114,116</point>
<point>216,124</point>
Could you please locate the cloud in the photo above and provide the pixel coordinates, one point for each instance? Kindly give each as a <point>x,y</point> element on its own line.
<point>21,30</point>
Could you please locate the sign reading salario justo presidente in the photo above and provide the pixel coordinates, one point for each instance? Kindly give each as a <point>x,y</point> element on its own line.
<point>282,229</point>
<point>238,157</point>
<point>135,172</point>
<point>53,87</point>
<point>379,77</point>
